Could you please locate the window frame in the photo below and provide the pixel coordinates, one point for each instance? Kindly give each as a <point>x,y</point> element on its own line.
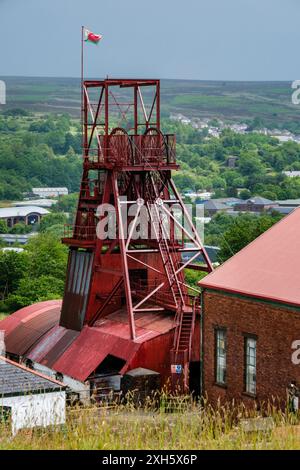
<point>217,330</point>
<point>247,365</point>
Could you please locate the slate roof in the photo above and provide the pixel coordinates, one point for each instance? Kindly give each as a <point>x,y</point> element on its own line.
<point>16,379</point>
<point>258,200</point>
<point>289,202</point>
<point>212,205</point>
<point>227,200</point>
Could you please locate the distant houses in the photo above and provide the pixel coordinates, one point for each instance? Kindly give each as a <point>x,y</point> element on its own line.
<point>212,207</point>
<point>50,192</point>
<point>21,239</point>
<point>231,161</point>
<point>255,204</point>
<point>292,174</point>
<point>36,202</point>
<point>214,129</point>
<point>203,195</point>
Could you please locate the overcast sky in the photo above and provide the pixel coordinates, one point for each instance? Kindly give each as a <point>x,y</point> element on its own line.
<point>193,39</point>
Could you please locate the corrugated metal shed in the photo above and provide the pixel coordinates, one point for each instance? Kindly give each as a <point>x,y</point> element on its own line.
<point>268,268</point>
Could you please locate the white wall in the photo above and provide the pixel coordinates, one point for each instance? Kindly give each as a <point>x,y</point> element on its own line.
<point>83,389</point>
<point>42,409</point>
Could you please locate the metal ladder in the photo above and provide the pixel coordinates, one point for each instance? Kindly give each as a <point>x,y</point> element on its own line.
<point>168,262</point>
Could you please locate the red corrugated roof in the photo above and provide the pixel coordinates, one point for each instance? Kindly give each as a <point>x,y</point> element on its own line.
<point>34,332</point>
<point>268,268</point>
<point>25,327</point>
<point>88,351</point>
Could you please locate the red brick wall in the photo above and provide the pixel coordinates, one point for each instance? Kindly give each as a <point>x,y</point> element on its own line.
<point>276,329</point>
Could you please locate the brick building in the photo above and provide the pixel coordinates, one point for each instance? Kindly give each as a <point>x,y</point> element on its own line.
<point>251,318</point>
<point>255,204</point>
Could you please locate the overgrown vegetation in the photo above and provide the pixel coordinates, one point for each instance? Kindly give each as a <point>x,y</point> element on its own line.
<point>45,151</point>
<point>127,427</point>
<point>36,274</point>
<point>38,151</point>
<point>232,234</point>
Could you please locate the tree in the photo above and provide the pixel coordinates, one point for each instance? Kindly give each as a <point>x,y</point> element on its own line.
<point>3,226</point>
<point>245,194</point>
<point>193,277</point>
<point>55,218</point>
<point>67,203</point>
<point>257,123</point>
<point>13,267</point>
<point>48,257</point>
<point>34,275</point>
<point>56,231</point>
<point>20,228</point>
<point>31,290</point>
<point>16,112</point>
<point>245,229</point>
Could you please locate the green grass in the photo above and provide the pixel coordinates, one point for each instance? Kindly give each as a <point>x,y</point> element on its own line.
<point>126,427</point>
<point>3,315</point>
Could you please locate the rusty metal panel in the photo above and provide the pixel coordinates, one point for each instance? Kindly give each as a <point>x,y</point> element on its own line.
<point>77,289</point>
<point>89,350</point>
<point>39,351</point>
<point>60,347</point>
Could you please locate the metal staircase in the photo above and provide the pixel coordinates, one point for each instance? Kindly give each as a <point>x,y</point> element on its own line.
<point>166,256</point>
<point>182,346</point>
<point>186,306</point>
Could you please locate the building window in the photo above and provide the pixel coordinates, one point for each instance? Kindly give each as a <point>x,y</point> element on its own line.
<point>250,365</point>
<point>220,356</point>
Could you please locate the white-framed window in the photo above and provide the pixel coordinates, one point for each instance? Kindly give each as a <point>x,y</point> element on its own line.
<point>220,356</point>
<point>250,364</point>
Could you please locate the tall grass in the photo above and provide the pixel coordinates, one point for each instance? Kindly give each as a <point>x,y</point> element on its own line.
<point>163,423</point>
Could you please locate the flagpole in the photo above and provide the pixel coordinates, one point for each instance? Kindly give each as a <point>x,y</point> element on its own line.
<point>81,86</point>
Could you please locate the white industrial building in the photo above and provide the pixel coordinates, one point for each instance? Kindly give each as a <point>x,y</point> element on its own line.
<point>29,399</point>
<point>29,215</point>
<point>50,192</point>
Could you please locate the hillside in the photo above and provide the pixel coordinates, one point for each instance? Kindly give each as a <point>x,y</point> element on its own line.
<point>40,141</point>
<point>237,101</point>
<point>44,150</point>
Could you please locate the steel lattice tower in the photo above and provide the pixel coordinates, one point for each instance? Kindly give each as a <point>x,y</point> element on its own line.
<point>127,165</point>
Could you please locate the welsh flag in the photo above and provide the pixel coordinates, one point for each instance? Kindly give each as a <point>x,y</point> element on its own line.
<point>91,37</point>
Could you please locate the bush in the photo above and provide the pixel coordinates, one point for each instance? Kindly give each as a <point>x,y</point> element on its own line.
<point>35,290</point>
<point>34,275</point>
<point>20,228</point>
<point>52,219</point>
<point>3,226</point>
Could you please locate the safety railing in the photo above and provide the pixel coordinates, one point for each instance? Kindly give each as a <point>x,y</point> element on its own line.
<point>142,288</point>
<point>80,232</point>
<point>133,150</point>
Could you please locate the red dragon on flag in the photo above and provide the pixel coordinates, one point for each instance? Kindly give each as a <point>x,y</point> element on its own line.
<point>91,37</point>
